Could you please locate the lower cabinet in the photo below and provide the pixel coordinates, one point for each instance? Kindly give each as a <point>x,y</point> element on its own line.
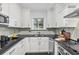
<point>51,45</point>
<point>44,44</point>
<point>34,44</point>
<point>17,49</point>
<point>37,44</point>
<point>21,47</point>
<point>29,45</point>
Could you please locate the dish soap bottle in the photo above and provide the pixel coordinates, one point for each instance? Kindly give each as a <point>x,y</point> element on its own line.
<point>14,36</point>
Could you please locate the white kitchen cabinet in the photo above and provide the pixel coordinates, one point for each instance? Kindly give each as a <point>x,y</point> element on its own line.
<point>15,14</point>
<point>51,45</point>
<point>12,17</point>
<point>51,22</point>
<point>20,49</point>
<point>63,10</point>
<point>34,44</point>
<point>71,22</point>
<point>37,44</point>
<point>55,17</point>
<point>4,9</point>
<point>58,15</point>
<point>60,20</point>
<point>26,21</point>
<point>27,44</point>
<point>44,44</point>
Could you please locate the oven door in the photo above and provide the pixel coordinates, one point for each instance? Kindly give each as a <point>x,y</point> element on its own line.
<point>60,52</point>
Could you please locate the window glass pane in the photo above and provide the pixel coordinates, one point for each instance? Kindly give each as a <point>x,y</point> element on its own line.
<point>41,23</point>
<point>38,23</point>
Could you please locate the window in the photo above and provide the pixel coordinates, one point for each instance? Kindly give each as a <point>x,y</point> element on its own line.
<point>38,23</point>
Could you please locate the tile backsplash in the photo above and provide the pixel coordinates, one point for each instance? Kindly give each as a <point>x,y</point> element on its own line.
<point>7,31</point>
<point>37,32</point>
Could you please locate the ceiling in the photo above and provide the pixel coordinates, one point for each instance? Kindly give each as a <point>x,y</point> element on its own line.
<point>38,6</point>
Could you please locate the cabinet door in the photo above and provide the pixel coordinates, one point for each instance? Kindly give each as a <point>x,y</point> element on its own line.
<point>44,44</point>
<point>15,13</point>
<point>5,9</point>
<point>26,18</point>
<point>51,45</point>
<point>20,49</point>
<point>27,44</point>
<point>71,22</point>
<point>60,19</point>
<point>34,44</point>
<point>51,22</point>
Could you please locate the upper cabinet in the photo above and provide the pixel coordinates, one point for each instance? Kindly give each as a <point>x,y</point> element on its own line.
<point>15,15</point>
<point>59,15</point>
<point>51,22</point>
<point>26,21</point>
<point>12,10</point>
<point>59,20</point>
<point>71,22</point>
<point>65,15</point>
<point>18,16</point>
<point>4,8</point>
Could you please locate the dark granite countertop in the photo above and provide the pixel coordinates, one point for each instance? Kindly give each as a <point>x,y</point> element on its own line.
<point>9,45</point>
<point>63,44</point>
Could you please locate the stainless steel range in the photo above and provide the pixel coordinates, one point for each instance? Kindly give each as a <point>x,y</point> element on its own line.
<point>62,51</point>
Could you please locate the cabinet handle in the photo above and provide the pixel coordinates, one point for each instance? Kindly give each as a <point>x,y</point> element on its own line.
<point>15,23</point>
<point>11,51</point>
<point>39,43</point>
<point>22,42</point>
<point>29,40</point>
<point>22,46</point>
<point>0,6</point>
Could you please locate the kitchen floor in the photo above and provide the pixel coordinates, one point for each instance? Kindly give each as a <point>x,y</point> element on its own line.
<point>42,53</point>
